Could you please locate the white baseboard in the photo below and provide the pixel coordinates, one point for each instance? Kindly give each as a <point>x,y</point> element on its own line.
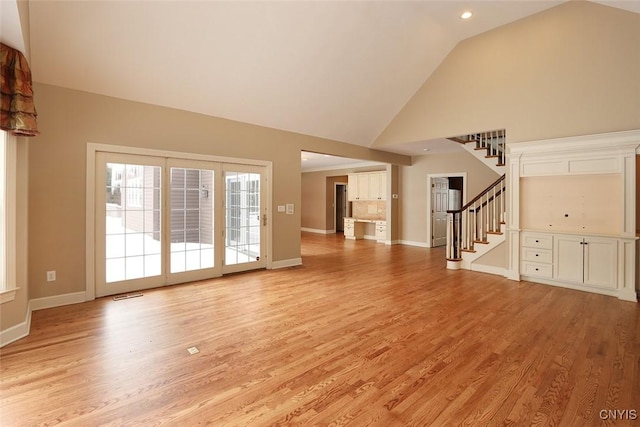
<point>57,300</point>
<point>317,231</point>
<point>628,295</point>
<point>411,243</point>
<point>499,271</point>
<point>18,331</point>
<point>293,262</point>
<point>21,330</point>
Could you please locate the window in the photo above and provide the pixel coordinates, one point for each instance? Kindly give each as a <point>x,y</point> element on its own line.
<point>7,216</point>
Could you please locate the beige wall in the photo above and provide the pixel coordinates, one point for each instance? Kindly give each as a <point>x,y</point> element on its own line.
<point>70,119</point>
<point>414,188</point>
<point>570,70</point>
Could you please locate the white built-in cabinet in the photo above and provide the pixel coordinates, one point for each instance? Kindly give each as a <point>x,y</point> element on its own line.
<point>381,231</point>
<point>586,260</point>
<point>578,261</point>
<point>571,213</point>
<point>367,186</point>
<point>354,229</point>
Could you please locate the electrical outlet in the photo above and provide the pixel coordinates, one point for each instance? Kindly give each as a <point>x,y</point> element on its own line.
<point>51,276</point>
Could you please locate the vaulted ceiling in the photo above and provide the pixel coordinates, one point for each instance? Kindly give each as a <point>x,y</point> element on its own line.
<point>335,69</point>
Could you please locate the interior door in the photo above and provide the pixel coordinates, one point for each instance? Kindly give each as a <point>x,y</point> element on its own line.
<point>245,217</point>
<point>439,206</point>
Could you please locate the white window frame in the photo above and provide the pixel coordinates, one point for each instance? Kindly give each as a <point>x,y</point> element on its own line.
<point>8,175</point>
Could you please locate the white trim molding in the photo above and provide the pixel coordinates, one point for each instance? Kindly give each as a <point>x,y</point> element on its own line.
<point>412,243</point>
<point>317,230</point>
<point>16,332</point>
<point>285,263</point>
<point>57,300</point>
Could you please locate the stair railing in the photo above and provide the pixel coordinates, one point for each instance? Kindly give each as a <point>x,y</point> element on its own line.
<point>492,142</point>
<point>482,216</point>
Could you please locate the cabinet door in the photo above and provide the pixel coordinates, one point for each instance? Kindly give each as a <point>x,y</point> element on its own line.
<point>382,188</point>
<point>362,187</point>
<point>568,259</point>
<point>352,188</point>
<point>600,262</point>
<point>374,186</point>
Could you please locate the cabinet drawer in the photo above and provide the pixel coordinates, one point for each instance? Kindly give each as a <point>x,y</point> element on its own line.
<point>542,241</point>
<point>537,255</point>
<point>536,269</point>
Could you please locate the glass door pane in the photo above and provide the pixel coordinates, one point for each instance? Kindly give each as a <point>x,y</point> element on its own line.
<point>244,219</point>
<point>132,221</point>
<point>192,222</point>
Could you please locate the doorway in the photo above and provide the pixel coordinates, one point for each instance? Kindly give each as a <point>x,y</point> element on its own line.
<point>341,204</point>
<point>162,221</point>
<point>446,192</point>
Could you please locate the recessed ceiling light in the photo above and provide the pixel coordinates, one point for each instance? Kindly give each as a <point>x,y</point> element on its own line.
<point>466,15</point>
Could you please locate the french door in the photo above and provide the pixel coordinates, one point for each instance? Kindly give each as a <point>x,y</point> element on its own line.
<point>163,221</point>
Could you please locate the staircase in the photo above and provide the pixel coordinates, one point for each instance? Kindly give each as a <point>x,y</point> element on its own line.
<point>478,228</point>
<point>488,147</point>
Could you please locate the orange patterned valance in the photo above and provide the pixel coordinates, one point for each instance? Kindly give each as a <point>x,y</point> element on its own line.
<point>17,111</point>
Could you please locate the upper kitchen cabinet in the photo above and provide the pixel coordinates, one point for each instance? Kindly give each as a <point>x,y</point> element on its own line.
<point>367,186</point>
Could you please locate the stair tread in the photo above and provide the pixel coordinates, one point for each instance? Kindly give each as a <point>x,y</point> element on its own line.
<point>484,242</point>
<point>454,259</point>
<point>472,251</point>
<point>494,232</point>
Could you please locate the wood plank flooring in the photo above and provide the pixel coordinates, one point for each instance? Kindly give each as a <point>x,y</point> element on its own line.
<point>363,334</point>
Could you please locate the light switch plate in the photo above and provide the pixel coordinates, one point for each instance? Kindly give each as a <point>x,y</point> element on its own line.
<point>289,208</point>
<point>281,208</point>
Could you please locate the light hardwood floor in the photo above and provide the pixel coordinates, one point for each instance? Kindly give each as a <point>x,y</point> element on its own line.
<point>363,334</point>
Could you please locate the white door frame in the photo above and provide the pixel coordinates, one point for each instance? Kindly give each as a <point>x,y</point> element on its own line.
<point>462,175</point>
<point>92,149</point>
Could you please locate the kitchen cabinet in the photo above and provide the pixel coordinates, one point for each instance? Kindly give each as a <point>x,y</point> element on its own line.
<point>353,229</point>
<point>577,261</point>
<point>381,231</point>
<point>367,186</point>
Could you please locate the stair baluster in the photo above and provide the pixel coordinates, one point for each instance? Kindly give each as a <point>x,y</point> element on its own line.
<point>470,225</point>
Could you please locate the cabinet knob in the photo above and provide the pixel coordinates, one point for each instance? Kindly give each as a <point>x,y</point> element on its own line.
<point>536,254</point>
<point>537,241</point>
<point>536,269</point>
